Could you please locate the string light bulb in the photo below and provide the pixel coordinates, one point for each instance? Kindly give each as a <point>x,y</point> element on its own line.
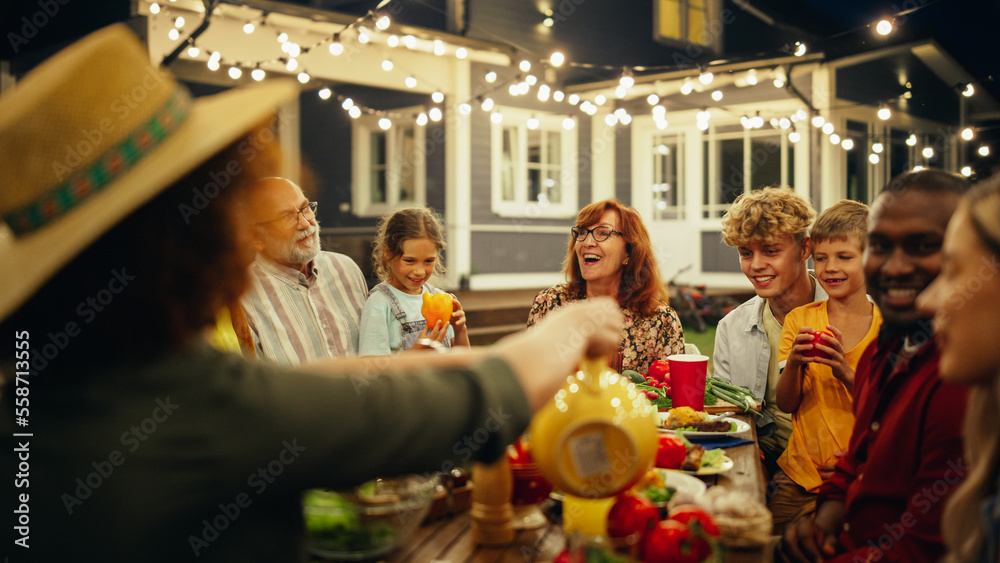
<point>173,34</point>
<point>543,92</point>
<point>325,94</point>
<point>558,95</point>
<point>794,136</point>
<point>877,147</point>
<point>557,59</point>
<point>524,65</point>
<point>984,150</point>
<point>873,158</point>
<point>387,65</point>
<point>752,77</point>
<point>411,82</point>
<point>531,79</point>
<point>348,103</point>
<point>818,120</point>
<point>847,144</point>
<point>435,114</point>
<point>437,97</point>
<point>827,128</point>
<point>911,140</point>
<point>385,123</point>
<point>687,86</point>
<point>354,112</point>
<point>248,28</point>
<point>883,28</point>
<point>487,104</point>
<point>491,77</point>
<point>496,117</point>
<point>569,123</point>
<point>258,74</point>
<point>422,119</point>
<point>154,8</point>
<point>363,36</point>
<point>291,65</point>
<point>967,133</point>
<point>652,99</point>
<point>392,41</point>
<point>179,22</point>
<point>784,123</point>
<point>835,139</point>
<point>533,123</point>
<point>383,23</point>
<point>884,113</point>
<point>409,41</point>
<point>966,171</point>
<point>573,99</point>
<point>600,99</point>
<point>235,72</point>
<point>969,90</point>
<point>464,109</point>
<point>706,78</point>
<point>627,80</point>
<point>800,48</point>
<point>336,47</point>
<point>928,152</point>
<point>282,37</point>
<point>717,95</point>
<point>461,53</point>
<point>621,92</point>
<point>193,51</point>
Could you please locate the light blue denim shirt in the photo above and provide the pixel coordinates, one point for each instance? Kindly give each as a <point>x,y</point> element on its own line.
<point>742,352</point>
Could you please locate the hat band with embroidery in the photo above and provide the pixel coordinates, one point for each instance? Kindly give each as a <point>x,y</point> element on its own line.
<point>113,163</point>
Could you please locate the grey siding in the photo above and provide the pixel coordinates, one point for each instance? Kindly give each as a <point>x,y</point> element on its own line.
<point>716,256</point>
<point>516,253</point>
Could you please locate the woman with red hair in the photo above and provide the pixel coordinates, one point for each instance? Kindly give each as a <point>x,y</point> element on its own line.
<point>610,254</point>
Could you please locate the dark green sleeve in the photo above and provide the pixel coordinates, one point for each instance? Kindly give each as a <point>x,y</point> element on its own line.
<point>349,429</point>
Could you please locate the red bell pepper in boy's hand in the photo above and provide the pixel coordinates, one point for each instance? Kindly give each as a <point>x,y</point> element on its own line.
<point>815,352</point>
<point>436,307</point>
<point>660,371</point>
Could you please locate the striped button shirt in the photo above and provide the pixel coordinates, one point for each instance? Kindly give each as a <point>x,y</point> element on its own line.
<point>296,318</point>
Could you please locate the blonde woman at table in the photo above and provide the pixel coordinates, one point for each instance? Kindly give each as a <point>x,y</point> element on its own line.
<point>965,301</point>
<point>141,442</point>
<point>610,254</point>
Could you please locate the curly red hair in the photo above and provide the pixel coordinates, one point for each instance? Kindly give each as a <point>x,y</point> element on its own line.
<point>640,288</point>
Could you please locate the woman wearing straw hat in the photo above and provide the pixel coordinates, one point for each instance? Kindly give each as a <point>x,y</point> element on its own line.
<point>135,441</point>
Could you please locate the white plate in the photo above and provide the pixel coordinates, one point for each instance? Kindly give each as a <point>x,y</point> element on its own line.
<point>682,483</point>
<point>740,427</point>
<point>727,464</point>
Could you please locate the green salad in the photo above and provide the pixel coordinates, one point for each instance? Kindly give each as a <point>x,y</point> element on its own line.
<point>334,525</point>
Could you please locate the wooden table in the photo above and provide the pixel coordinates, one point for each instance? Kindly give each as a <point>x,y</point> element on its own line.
<point>450,539</point>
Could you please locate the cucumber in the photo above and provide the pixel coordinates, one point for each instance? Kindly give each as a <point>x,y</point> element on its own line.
<point>635,376</point>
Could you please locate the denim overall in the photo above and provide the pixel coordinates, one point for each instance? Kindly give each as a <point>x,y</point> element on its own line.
<point>410,330</point>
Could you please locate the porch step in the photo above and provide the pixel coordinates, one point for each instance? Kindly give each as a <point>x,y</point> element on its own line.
<point>494,314</point>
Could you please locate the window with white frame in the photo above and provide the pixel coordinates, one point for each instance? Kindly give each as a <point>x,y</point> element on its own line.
<point>533,164</point>
<point>699,22</point>
<point>668,177</point>
<point>738,160</point>
<point>388,165</point>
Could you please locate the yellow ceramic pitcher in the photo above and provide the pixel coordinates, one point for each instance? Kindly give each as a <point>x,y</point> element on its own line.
<point>597,436</point>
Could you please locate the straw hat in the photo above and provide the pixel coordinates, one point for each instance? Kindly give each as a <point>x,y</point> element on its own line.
<point>92,134</point>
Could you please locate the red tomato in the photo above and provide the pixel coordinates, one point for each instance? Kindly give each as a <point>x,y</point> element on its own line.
<point>671,452</point>
<point>817,339</point>
<point>652,395</point>
<point>668,542</point>
<point>703,529</point>
<point>519,452</point>
<point>660,371</point>
<point>630,517</point>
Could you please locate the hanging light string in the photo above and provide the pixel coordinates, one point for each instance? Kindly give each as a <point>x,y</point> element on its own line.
<point>374,24</point>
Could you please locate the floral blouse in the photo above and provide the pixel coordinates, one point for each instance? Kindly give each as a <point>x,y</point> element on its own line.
<point>645,339</point>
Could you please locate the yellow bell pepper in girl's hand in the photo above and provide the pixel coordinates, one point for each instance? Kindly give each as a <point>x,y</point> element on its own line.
<point>436,307</point>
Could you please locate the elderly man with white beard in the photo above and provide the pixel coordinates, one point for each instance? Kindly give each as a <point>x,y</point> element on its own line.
<point>303,304</point>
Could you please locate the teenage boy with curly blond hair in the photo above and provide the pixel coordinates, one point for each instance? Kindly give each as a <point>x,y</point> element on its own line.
<point>770,229</point>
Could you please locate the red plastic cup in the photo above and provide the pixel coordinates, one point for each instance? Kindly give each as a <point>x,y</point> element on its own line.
<point>687,376</point>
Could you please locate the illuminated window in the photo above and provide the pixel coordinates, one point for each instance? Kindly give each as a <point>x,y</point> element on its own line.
<point>688,21</point>
<point>388,166</point>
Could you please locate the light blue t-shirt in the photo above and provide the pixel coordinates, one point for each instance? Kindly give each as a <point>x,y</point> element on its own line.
<point>381,333</point>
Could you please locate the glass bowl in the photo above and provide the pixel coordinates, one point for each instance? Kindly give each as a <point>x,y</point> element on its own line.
<point>369,520</point>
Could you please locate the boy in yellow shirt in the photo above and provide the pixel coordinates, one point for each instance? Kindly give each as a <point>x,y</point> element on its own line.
<point>816,384</point>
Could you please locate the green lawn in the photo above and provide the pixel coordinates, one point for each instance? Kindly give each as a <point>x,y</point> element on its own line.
<point>705,342</point>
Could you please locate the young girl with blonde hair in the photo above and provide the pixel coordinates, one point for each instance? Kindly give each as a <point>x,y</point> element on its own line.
<point>406,254</point>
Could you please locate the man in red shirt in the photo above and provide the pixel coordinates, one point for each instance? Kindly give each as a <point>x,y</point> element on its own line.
<point>885,498</point>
